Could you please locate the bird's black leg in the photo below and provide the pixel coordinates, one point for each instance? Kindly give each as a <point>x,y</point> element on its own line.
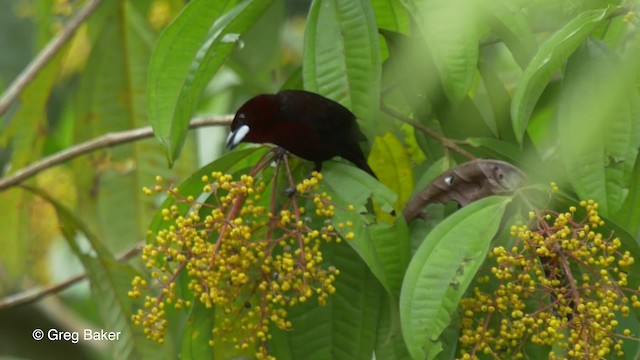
<point>280,156</point>
<point>292,190</point>
<point>280,153</point>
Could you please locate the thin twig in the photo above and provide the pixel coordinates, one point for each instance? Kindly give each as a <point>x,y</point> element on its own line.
<point>45,56</point>
<point>33,295</point>
<point>446,142</point>
<point>105,141</point>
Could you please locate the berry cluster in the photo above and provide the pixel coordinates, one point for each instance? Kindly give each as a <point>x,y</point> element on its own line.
<point>562,284</point>
<point>248,262</point>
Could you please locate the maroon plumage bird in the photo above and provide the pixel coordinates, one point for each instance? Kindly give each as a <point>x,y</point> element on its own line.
<point>305,124</point>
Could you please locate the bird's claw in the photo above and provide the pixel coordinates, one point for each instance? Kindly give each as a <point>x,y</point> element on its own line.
<point>290,191</point>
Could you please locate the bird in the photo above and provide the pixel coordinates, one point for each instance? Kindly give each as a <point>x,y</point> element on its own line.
<point>303,123</point>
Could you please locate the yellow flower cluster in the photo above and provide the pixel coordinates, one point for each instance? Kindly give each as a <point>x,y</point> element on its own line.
<point>250,263</point>
<point>562,284</point>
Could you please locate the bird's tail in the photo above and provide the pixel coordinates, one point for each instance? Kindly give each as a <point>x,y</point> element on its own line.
<point>362,164</point>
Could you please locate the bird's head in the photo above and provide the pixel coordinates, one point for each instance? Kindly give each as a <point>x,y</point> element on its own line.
<point>253,121</point>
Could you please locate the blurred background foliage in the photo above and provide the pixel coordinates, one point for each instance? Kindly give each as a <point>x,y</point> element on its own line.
<point>551,86</point>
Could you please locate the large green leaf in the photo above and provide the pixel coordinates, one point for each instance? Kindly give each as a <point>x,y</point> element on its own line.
<point>197,333</point>
<point>508,21</point>
<point>192,186</point>
<point>343,329</point>
<point>442,269</point>
<point>629,214</point>
<point>390,344</point>
<point>598,125</point>
<point>449,28</point>
<point>384,247</point>
<point>110,283</point>
<point>187,55</point>
<point>546,61</point>
<point>341,55</point>
<point>22,135</point>
<point>391,15</point>
<point>111,97</point>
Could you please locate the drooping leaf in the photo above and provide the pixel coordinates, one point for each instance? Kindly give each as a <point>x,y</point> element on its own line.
<point>552,53</point>
<point>110,283</point>
<point>629,214</point>
<point>187,55</point>
<point>345,328</point>
<point>22,135</point>
<point>341,55</point>
<point>391,15</point>
<point>449,29</point>
<point>598,125</point>
<point>508,21</point>
<point>111,97</point>
<point>197,334</point>
<point>384,247</point>
<point>390,343</point>
<point>442,269</point>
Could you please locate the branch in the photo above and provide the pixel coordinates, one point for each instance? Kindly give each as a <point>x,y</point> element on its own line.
<point>45,56</point>
<point>31,296</point>
<point>446,142</point>
<point>105,141</point>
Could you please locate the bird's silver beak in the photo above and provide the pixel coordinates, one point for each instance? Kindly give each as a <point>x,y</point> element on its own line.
<point>236,137</point>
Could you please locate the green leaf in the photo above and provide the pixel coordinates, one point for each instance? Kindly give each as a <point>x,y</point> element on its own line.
<point>346,327</point>
<point>546,61</point>
<point>508,21</point>
<point>110,283</point>
<point>598,125</point>
<point>390,344</point>
<point>442,269</point>
<point>496,149</point>
<point>355,187</point>
<point>342,56</point>
<point>197,333</point>
<point>391,15</point>
<point>22,136</point>
<point>111,98</point>
<point>188,54</point>
<point>450,31</point>
<point>500,101</point>
<point>629,214</point>
<point>193,184</point>
<point>384,247</point>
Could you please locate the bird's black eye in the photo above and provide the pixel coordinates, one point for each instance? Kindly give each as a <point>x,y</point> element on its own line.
<point>448,180</point>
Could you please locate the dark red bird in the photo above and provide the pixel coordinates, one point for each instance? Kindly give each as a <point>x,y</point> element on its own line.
<point>306,124</point>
